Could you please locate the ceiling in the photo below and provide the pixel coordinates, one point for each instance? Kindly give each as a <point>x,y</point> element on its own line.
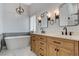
<point>37,8</point>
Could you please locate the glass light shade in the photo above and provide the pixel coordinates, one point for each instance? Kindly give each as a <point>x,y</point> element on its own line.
<point>19,10</point>
<point>56,12</point>
<point>39,17</point>
<point>49,14</point>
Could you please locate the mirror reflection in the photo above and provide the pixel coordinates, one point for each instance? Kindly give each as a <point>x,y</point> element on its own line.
<point>69,14</point>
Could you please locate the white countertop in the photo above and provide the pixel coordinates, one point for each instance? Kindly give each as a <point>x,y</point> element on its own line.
<point>73,37</point>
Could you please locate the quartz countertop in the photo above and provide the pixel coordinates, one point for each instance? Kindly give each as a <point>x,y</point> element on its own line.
<point>73,37</point>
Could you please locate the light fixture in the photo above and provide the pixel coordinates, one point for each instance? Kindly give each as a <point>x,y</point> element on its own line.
<point>56,16</point>
<point>49,16</point>
<point>20,10</point>
<point>39,19</point>
<point>56,12</point>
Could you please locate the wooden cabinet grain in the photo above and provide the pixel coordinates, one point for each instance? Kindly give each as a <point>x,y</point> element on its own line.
<point>33,43</point>
<point>38,44</point>
<point>51,50</point>
<point>53,46</point>
<point>65,52</point>
<point>63,47</point>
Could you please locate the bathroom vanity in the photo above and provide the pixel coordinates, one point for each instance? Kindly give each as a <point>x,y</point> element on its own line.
<point>52,45</point>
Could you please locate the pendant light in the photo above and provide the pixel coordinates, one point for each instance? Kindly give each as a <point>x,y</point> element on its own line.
<point>20,10</point>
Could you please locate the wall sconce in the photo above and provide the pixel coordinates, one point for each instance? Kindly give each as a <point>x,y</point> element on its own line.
<point>56,12</point>
<point>39,19</point>
<point>51,21</point>
<point>49,16</point>
<point>56,16</point>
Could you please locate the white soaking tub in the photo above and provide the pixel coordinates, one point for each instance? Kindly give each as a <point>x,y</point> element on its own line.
<point>17,42</point>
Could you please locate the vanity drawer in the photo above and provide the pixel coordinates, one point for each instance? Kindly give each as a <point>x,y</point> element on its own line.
<point>55,41</point>
<point>42,44</point>
<point>42,38</point>
<point>42,51</point>
<point>33,35</point>
<point>61,42</point>
<point>69,44</point>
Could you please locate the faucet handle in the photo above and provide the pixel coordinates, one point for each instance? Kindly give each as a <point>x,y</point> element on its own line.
<point>62,32</point>
<point>70,33</point>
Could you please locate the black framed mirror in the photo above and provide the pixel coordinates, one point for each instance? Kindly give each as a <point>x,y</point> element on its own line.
<point>69,14</point>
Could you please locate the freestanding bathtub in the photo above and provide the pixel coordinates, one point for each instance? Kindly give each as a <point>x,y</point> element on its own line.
<point>17,42</point>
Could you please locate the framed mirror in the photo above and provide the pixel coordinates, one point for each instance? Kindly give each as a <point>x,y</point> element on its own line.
<point>42,20</point>
<point>69,14</point>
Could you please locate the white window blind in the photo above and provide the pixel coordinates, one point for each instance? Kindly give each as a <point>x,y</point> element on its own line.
<point>33,23</point>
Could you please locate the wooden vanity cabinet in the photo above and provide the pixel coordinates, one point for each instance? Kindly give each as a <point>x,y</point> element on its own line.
<point>57,51</point>
<point>60,47</point>
<point>51,50</point>
<point>33,44</point>
<point>53,46</point>
<point>65,52</point>
<point>38,45</point>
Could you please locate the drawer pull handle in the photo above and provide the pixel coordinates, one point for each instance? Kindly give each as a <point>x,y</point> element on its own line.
<point>41,54</point>
<point>41,43</point>
<point>41,38</point>
<point>33,40</point>
<point>57,50</point>
<point>56,42</point>
<point>41,48</point>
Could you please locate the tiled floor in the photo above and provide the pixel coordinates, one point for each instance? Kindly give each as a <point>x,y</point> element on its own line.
<point>18,52</point>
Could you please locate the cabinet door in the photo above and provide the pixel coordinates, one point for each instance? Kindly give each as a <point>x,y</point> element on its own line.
<point>42,48</point>
<point>51,50</point>
<point>37,47</point>
<point>42,51</point>
<point>33,45</point>
<point>65,52</point>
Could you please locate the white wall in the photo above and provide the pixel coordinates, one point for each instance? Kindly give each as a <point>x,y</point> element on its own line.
<point>12,22</point>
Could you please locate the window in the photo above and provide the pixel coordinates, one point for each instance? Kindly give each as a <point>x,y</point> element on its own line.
<point>33,23</point>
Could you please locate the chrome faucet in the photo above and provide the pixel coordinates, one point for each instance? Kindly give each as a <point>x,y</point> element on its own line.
<point>65,28</point>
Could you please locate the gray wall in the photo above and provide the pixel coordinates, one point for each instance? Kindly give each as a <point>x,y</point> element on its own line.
<point>11,21</point>
<point>1,18</point>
